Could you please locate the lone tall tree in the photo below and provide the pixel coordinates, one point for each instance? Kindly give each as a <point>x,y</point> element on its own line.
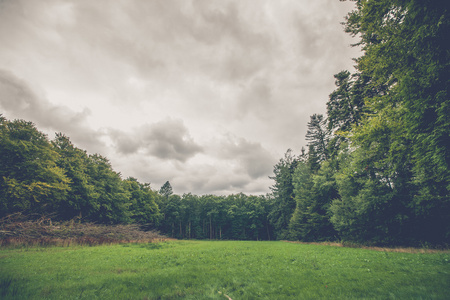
<point>166,190</point>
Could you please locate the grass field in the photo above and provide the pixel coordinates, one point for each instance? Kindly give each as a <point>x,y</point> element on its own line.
<point>217,269</point>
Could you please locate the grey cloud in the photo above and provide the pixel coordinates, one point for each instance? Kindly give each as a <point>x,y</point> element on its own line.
<point>208,38</point>
<point>321,42</point>
<point>225,20</point>
<point>253,158</point>
<point>121,30</point>
<point>256,99</point>
<point>210,179</point>
<point>242,64</point>
<point>256,70</point>
<point>215,183</point>
<point>168,139</point>
<point>15,94</point>
<point>125,143</point>
<point>19,100</point>
<point>226,185</point>
<point>201,179</point>
<point>157,39</point>
<point>309,36</point>
<point>247,51</point>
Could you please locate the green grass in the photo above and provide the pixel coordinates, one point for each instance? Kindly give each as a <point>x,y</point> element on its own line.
<point>202,269</point>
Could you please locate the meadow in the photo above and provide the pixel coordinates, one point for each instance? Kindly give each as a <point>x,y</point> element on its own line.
<point>221,270</point>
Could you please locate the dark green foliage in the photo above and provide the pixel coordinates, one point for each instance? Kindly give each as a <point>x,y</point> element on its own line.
<point>30,180</point>
<point>298,225</point>
<point>383,177</point>
<point>283,204</point>
<point>166,190</point>
<point>56,178</point>
<point>81,195</point>
<point>313,194</point>
<point>143,208</point>
<point>345,106</point>
<point>400,169</point>
<point>318,138</point>
<point>170,208</point>
<point>233,217</point>
<point>368,209</point>
<point>110,201</point>
<point>393,176</point>
<point>314,187</point>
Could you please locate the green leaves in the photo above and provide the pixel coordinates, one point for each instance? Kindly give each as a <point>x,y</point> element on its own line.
<point>143,208</point>
<point>30,179</point>
<point>386,163</point>
<point>166,190</point>
<point>43,177</point>
<point>283,193</point>
<point>400,151</point>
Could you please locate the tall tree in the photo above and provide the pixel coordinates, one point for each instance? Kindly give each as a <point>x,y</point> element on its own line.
<point>172,215</point>
<point>166,190</point>
<point>401,148</point>
<point>314,186</point>
<point>345,106</point>
<point>318,137</point>
<point>283,194</point>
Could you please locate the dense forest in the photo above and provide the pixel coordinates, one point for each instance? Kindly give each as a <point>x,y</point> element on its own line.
<point>375,169</point>
<point>56,179</point>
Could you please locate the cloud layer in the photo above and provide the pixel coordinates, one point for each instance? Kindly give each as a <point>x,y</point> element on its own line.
<point>168,139</point>
<point>205,94</point>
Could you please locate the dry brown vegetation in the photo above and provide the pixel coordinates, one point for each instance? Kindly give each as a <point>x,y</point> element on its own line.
<point>19,230</point>
<point>385,249</point>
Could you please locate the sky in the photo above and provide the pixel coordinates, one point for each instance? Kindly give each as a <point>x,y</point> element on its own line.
<point>205,94</point>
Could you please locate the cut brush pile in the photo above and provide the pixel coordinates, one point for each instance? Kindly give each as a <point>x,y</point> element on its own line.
<point>19,230</point>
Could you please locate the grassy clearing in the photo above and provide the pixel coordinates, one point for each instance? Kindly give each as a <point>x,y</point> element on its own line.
<point>214,269</point>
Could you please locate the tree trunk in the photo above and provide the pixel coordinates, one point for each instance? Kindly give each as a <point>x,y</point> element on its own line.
<point>173,229</point>
<point>210,228</point>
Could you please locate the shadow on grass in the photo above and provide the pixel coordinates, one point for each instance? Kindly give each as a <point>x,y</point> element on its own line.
<point>10,287</point>
<point>148,246</point>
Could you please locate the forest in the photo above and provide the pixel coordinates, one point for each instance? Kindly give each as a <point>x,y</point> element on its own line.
<point>375,169</point>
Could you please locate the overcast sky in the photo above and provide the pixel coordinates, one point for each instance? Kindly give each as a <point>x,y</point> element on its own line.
<point>206,94</point>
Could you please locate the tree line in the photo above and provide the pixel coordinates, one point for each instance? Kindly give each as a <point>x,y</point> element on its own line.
<point>232,217</point>
<point>375,168</point>
<point>55,178</point>
<point>44,177</point>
